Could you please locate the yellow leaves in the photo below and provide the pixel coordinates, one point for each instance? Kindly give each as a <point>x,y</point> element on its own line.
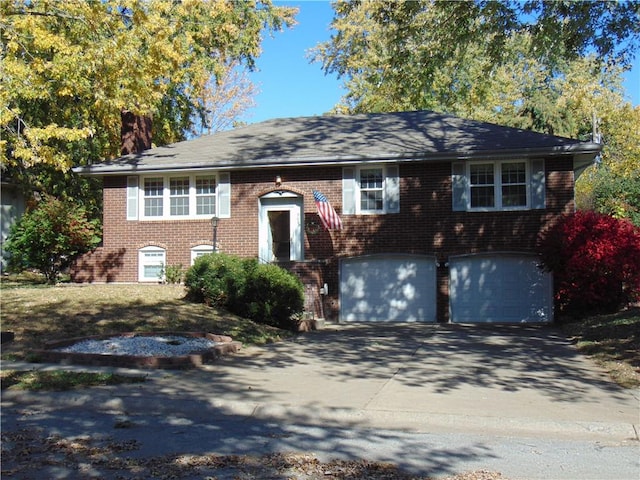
<point>189,4</point>
<point>44,40</point>
<point>31,145</point>
<point>70,65</point>
<point>54,131</point>
<point>618,207</point>
<point>622,140</point>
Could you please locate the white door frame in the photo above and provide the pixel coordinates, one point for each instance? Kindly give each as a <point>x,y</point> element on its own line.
<point>281,202</point>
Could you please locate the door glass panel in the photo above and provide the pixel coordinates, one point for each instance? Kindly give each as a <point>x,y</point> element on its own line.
<point>280,227</point>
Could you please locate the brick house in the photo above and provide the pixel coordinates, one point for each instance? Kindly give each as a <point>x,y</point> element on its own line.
<point>440,215</point>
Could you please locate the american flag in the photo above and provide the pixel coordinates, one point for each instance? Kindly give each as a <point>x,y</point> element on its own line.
<point>327,214</point>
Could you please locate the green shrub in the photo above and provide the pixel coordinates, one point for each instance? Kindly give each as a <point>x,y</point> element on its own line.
<point>264,293</point>
<point>50,236</point>
<point>173,273</point>
<point>617,195</point>
<point>215,279</point>
<point>272,295</point>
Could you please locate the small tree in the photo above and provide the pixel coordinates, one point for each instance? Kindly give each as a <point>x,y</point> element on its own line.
<point>595,260</point>
<point>50,236</point>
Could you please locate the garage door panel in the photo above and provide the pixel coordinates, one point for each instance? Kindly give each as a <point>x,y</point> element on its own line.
<point>509,289</point>
<point>388,288</point>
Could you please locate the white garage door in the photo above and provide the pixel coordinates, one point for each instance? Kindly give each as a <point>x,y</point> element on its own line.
<point>499,288</point>
<point>388,288</point>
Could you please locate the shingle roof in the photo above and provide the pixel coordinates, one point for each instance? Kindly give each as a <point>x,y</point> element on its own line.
<point>343,139</point>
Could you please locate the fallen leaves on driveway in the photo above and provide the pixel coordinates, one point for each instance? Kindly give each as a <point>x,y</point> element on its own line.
<point>30,453</point>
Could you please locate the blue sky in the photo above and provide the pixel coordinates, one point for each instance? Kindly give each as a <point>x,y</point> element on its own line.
<point>290,86</point>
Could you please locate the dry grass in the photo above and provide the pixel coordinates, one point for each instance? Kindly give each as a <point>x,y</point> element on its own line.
<point>39,313</point>
<point>60,380</point>
<point>613,341</point>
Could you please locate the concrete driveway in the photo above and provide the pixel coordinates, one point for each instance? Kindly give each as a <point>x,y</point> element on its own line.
<point>430,398</point>
<point>415,376</point>
<point>423,377</point>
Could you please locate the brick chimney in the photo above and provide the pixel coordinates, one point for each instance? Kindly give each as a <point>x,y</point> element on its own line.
<point>135,133</point>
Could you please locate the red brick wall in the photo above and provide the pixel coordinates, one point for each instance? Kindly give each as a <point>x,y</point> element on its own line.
<point>117,259</point>
<point>426,225</point>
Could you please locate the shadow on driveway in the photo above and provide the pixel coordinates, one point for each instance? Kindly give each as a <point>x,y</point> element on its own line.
<point>346,392</point>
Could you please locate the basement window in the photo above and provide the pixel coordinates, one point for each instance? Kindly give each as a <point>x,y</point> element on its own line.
<point>151,262</point>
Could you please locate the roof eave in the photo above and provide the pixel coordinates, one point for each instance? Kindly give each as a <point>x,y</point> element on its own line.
<point>583,149</point>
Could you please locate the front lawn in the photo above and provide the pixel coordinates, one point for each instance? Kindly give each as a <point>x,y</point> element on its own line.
<point>39,313</point>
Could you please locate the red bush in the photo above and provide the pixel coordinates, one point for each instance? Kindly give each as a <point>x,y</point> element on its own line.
<point>595,260</point>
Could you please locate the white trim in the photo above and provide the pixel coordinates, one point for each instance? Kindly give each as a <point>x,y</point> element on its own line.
<point>348,191</point>
<point>200,250</point>
<point>375,189</point>
<point>132,198</point>
<point>389,188</point>
<point>166,196</point>
<point>153,257</point>
<point>295,208</point>
<point>224,195</point>
<point>497,185</point>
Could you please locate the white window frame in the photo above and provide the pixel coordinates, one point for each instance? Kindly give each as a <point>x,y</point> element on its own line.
<point>167,196</point>
<point>497,185</point>
<point>200,250</point>
<point>179,196</point>
<point>491,168</point>
<point>390,189</point>
<point>524,184</point>
<point>360,190</point>
<point>291,203</point>
<point>213,195</point>
<point>151,256</point>
<point>146,197</point>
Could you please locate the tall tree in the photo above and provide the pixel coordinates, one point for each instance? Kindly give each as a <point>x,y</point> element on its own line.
<point>398,55</point>
<point>70,68</point>
<point>550,66</point>
<point>613,185</point>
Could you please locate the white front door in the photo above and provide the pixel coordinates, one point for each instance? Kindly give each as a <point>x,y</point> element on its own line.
<point>280,228</point>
